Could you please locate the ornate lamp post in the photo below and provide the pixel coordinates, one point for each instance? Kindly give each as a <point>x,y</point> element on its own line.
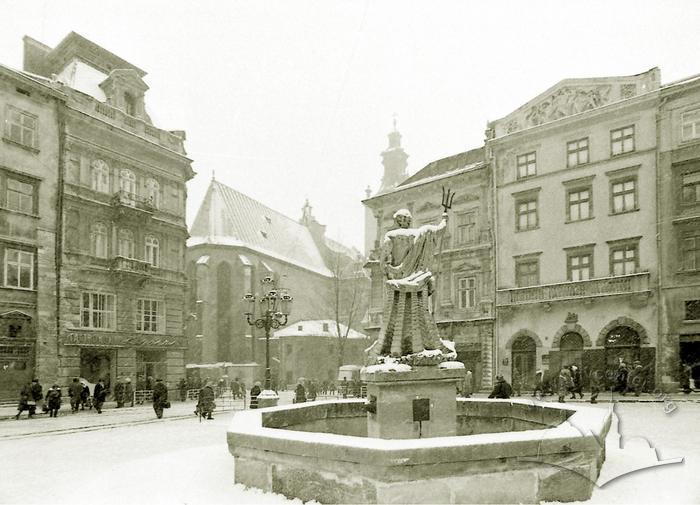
<point>275,305</point>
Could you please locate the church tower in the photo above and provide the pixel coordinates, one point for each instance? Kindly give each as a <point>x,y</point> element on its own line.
<point>394,159</point>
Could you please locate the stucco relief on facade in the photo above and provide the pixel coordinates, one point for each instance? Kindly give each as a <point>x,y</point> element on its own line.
<point>566,102</point>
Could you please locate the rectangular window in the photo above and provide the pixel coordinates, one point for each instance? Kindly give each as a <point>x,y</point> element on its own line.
<point>19,269</point>
<point>624,259</point>
<point>622,140</point>
<point>20,196</point>
<point>97,310</point>
<point>21,127</point>
<point>527,165</point>
<point>148,316</point>
<point>526,214</point>
<point>466,228</point>
<point>624,195</point>
<point>527,272</point>
<point>690,124</point>
<point>466,292</point>
<point>577,152</point>
<point>690,188</point>
<point>690,252</point>
<point>579,266</point>
<point>692,310</point>
<point>579,204</point>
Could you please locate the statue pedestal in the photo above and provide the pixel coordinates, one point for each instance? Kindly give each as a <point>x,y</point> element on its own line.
<point>418,403</point>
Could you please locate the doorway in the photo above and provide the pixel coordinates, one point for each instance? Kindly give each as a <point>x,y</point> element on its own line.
<point>524,361</point>
<point>96,364</point>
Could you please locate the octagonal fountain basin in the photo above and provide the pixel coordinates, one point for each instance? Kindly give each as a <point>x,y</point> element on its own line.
<point>505,451</point>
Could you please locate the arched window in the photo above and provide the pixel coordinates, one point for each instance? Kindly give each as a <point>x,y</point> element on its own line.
<point>152,253</point>
<point>98,240</point>
<point>126,244</point>
<point>571,345</point>
<point>127,186</point>
<point>153,193</point>
<point>100,176</point>
<point>622,343</point>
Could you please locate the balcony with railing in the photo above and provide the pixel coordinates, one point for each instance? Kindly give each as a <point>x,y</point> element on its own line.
<point>124,265</point>
<point>124,200</point>
<point>593,288</point>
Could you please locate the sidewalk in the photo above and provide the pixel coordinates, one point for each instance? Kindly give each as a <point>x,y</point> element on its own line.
<point>85,420</point>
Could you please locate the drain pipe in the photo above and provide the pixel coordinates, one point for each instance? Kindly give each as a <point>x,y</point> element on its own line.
<point>58,247</point>
<point>660,305</point>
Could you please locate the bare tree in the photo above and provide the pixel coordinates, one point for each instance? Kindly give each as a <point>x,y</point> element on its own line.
<point>349,297</point>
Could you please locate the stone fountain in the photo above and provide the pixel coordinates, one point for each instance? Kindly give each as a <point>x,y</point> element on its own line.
<point>413,440</point>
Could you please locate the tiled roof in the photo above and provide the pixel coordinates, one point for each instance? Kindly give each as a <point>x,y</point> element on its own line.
<point>228,217</point>
<point>315,329</point>
<point>440,167</point>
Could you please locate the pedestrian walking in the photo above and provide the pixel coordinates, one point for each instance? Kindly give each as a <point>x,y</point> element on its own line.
<point>74,391</point>
<point>100,395</point>
<point>53,400</point>
<point>236,389</point>
<point>160,398</point>
<point>37,396</point>
<point>621,378</point>
<point>311,391</point>
<point>564,383</point>
<point>119,393</point>
<point>205,403</point>
<point>636,379</point>
<point>468,386</point>
<point>577,382</point>
<point>501,389</point>
<point>595,385</point>
<point>24,397</point>
<point>85,397</point>
<point>254,393</point>
<point>300,393</point>
<point>539,384</point>
<point>128,392</point>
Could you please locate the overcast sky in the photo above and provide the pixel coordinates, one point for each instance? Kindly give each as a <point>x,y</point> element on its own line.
<point>289,100</point>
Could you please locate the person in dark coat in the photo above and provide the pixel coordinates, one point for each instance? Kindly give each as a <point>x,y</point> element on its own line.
<point>517,382</point>
<point>205,404</point>
<point>119,393</point>
<point>53,400</point>
<point>85,397</point>
<point>595,385</point>
<point>636,379</point>
<point>300,393</point>
<point>24,397</point>
<point>312,390</point>
<point>100,395</point>
<point>160,398</point>
<point>502,389</point>
<point>621,378</point>
<point>37,395</point>
<point>128,392</point>
<point>254,393</point>
<point>577,382</point>
<point>236,389</point>
<point>74,391</point>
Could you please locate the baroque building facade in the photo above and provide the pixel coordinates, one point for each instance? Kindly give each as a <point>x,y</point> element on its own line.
<point>463,298</point>
<point>29,155</point>
<point>679,231</point>
<point>575,175</point>
<point>237,241</point>
<point>121,205</point>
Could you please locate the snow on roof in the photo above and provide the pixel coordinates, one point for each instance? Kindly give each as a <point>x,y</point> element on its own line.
<point>228,217</point>
<point>317,328</point>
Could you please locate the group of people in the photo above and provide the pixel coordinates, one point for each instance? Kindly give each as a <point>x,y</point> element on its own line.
<point>32,396</point>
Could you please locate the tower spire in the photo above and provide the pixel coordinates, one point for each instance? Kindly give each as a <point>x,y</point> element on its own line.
<point>394,159</point>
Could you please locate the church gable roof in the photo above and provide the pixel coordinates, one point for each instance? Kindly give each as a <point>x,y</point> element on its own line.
<point>446,165</point>
<point>228,217</point>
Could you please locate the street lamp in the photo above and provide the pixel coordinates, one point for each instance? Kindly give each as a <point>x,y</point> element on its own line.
<point>275,305</point>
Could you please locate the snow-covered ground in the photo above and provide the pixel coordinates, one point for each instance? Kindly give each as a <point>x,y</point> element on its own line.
<point>185,462</point>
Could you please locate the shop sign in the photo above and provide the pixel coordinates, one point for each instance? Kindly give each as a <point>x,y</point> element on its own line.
<point>107,340</point>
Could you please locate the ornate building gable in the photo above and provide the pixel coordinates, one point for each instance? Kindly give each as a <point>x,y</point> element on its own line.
<point>573,96</point>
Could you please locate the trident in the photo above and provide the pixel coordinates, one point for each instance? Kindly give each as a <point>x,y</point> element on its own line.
<point>447,197</point>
